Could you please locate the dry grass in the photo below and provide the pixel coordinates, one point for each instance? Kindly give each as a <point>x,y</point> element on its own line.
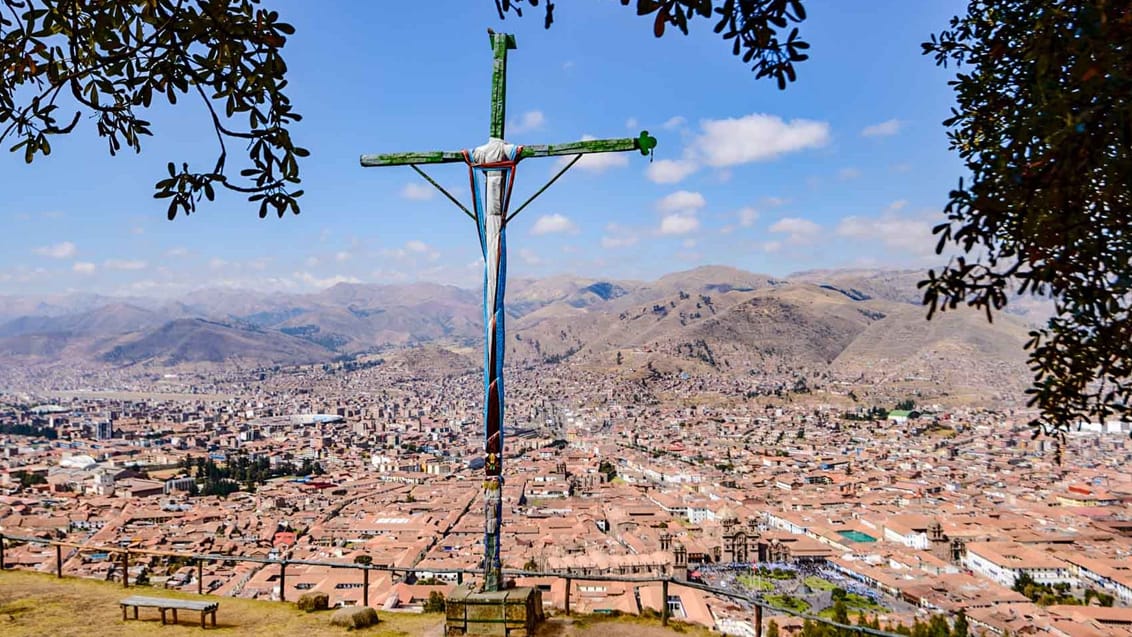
<point>621,626</point>
<point>36,604</point>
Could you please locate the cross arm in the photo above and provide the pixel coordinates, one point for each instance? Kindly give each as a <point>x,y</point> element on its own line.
<point>408,159</point>
<point>644,143</point>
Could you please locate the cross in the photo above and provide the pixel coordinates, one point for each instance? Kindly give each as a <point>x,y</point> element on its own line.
<point>491,171</point>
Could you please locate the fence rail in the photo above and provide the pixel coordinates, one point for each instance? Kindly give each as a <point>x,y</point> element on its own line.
<point>201,558</point>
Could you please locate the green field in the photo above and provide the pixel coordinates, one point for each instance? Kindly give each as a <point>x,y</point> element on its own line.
<point>754,583</point>
<point>818,584</point>
<point>788,603</point>
<point>856,604</point>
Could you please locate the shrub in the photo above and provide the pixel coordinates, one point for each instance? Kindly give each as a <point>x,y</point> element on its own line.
<point>354,617</point>
<point>311,602</point>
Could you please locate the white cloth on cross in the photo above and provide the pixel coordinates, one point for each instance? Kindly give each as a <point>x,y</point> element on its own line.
<point>491,198</point>
<point>495,150</point>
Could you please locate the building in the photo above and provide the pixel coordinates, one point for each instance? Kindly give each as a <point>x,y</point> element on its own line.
<point>1004,562</point>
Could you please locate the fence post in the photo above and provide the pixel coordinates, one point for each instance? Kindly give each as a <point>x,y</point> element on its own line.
<point>567,596</point>
<point>283,581</point>
<point>758,621</point>
<point>460,579</point>
<point>59,561</point>
<point>2,565</point>
<point>125,569</point>
<point>200,577</point>
<point>664,602</point>
<point>365,586</point>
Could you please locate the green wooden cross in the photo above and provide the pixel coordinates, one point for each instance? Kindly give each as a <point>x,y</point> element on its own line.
<point>492,171</point>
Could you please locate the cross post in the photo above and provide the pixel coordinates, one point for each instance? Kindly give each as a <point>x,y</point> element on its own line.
<point>491,171</point>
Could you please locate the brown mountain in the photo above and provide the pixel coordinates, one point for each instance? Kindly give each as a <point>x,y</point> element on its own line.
<point>864,324</point>
<point>201,341</point>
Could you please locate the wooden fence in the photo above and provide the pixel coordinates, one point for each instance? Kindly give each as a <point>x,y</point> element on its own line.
<point>200,559</point>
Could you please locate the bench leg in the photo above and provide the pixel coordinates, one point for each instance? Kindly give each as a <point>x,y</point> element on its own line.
<point>174,615</point>
<point>214,619</point>
<point>135,612</point>
<point>202,613</point>
<point>162,616</point>
<point>123,612</point>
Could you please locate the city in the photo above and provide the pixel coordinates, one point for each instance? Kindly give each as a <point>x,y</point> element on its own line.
<point>906,512</point>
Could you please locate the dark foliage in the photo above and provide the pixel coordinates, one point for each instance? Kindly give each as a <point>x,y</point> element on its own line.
<point>1044,124</point>
<point>114,58</point>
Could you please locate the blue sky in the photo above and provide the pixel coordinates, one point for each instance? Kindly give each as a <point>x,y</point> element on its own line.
<point>848,167</point>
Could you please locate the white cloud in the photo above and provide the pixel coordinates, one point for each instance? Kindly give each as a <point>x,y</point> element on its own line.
<point>670,171</point>
<point>217,263</point>
<point>688,243</point>
<point>529,121</point>
<point>342,256</point>
<point>617,236</point>
<point>177,252</point>
<point>897,205</point>
<point>756,137</point>
<point>413,248</point>
<point>529,257</point>
<point>552,224</point>
<point>311,261</point>
<point>681,201</point>
<point>747,216</point>
<point>595,162</point>
<point>417,192</point>
<point>601,162</point>
<point>771,246</point>
<point>673,122</point>
<point>610,243</point>
<point>883,129</point>
<point>124,264</point>
<point>631,123</point>
<point>63,250</point>
<point>797,230</point>
<point>83,267</point>
<point>324,282</point>
<point>774,202</point>
<point>911,234</point>
<point>679,223</point>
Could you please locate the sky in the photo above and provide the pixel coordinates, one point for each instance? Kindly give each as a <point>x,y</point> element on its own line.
<point>848,167</point>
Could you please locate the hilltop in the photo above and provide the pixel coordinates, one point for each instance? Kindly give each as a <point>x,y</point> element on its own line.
<point>37,604</point>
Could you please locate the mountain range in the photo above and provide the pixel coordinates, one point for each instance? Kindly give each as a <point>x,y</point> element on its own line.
<point>712,319</point>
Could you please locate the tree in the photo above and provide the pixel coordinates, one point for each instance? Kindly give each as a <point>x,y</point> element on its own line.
<point>112,60</point>
<point>1042,123</point>
<point>435,603</point>
<point>960,628</point>
<point>772,629</point>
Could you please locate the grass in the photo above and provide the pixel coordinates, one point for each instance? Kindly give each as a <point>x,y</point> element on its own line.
<point>788,603</point>
<point>752,583</point>
<point>777,573</point>
<point>855,604</point>
<point>37,604</point>
<point>598,625</point>
<point>818,584</point>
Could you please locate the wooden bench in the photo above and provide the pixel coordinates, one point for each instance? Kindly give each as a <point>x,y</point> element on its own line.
<point>166,604</point>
